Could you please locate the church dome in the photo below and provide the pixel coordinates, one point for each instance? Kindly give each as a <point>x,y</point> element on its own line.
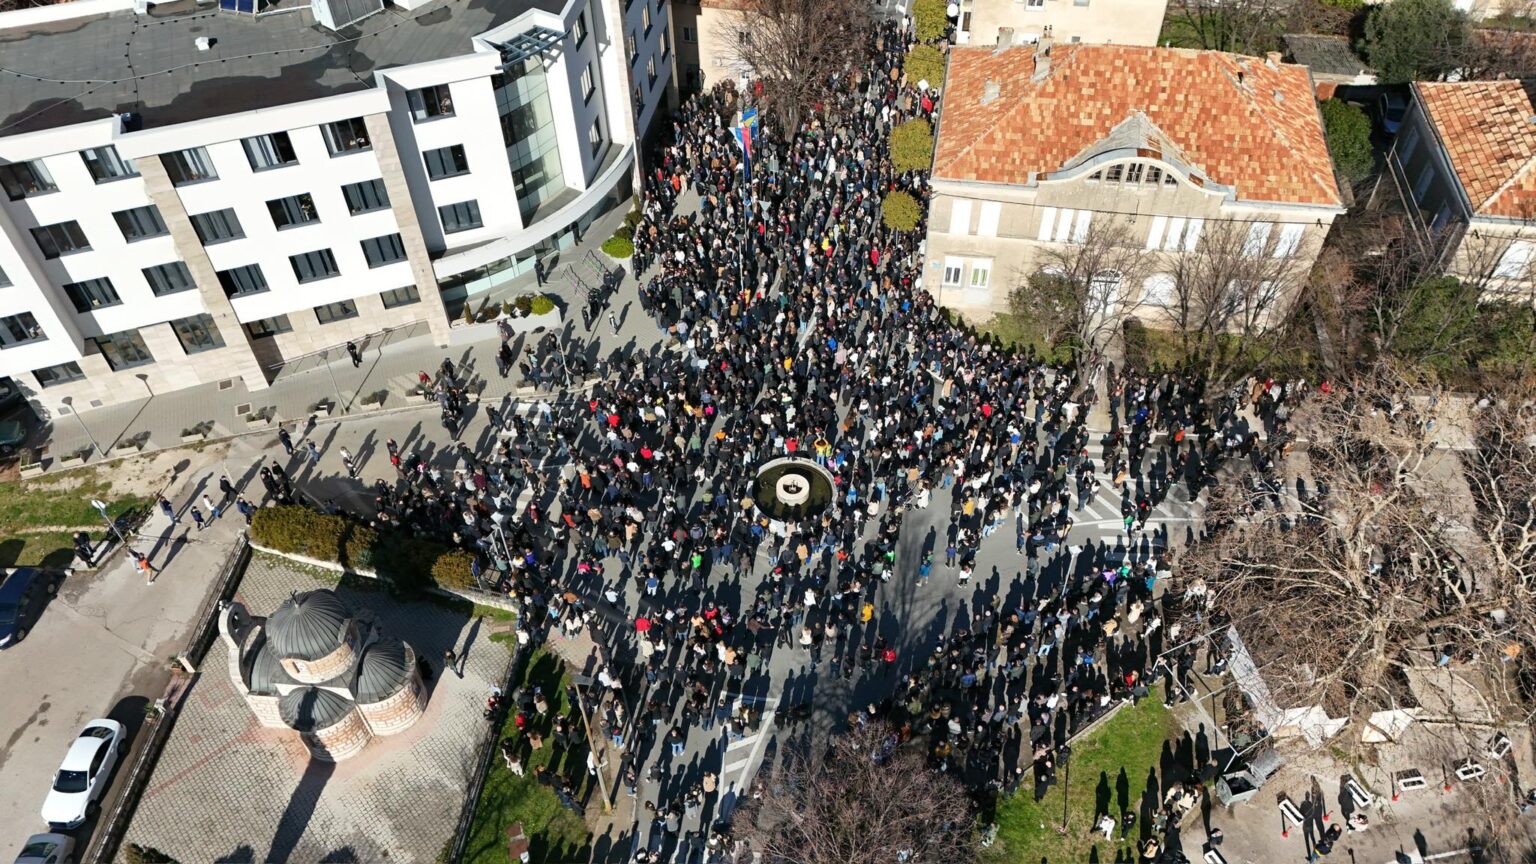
<point>310,709</point>
<point>308,626</point>
<point>384,670</point>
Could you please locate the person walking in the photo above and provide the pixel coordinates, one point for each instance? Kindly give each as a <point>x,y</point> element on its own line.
<point>356,355</point>
<point>197,517</point>
<point>246,509</point>
<point>314,452</point>
<point>226,488</point>
<point>149,570</point>
<point>451,661</point>
<point>167,509</point>
<point>613,322</point>
<point>214,510</point>
<point>286,439</point>
<point>346,461</point>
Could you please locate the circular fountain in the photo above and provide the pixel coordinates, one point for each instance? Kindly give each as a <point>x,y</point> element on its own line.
<point>791,489</point>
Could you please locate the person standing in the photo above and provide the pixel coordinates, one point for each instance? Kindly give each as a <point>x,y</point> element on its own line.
<point>214,510</point>
<point>286,439</point>
<point>245,508</point>
<point>613,322</point>
<point>314,452</point>
<point>197,517</point>
<point>83,548</point>
<point>356,355</point>
<point>226,488</point>
<point>346,461</point>
<point>451,661</point>
<point>149,570</point>
<point>538,272</point>
<point>167,509</point>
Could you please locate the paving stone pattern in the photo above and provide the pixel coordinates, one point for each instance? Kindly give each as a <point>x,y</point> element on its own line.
<point>228,790</point>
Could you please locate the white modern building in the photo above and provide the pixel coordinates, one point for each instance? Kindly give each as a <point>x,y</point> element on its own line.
<point>250,184</point>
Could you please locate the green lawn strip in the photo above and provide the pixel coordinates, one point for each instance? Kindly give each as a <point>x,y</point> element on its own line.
<point>1028,830</point>
<point>557,834</point>
<point>1021,332</point>
<point>34,513</point>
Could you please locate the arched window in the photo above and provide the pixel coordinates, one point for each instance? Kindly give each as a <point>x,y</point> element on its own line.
<point>1158,289</point>
<point>1104,290</point>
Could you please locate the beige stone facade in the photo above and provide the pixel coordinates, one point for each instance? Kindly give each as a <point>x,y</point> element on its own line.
<point>341,740</point>
<point>398,712</point>
<point>704,30</point>
<point>327,667</point>
<point>1120,22</point>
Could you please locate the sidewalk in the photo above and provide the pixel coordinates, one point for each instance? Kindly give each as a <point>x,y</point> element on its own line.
<point>390,363</point>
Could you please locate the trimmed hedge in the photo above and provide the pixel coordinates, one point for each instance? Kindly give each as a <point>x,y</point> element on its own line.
<point>930,19</point>
<point>541,304</point>
<point>912,145</point>
<point>618,247</point>
<point>407,563</point>
<point>899,211</point>
<point>925,63</point>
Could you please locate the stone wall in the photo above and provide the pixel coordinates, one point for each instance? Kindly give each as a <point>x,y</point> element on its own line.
<point>400,711</point>
<point>340,741</point>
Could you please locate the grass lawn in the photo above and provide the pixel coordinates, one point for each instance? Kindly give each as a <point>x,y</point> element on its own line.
<point>38,517</point>
<point>1021,333</point>
<point>557,834</point>
<point>1133,741</point>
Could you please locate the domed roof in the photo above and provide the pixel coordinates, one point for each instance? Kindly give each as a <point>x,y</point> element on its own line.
<point>308,709</point>
<point>383,671</point>
<point>267,671</point>
<point>308,626</point>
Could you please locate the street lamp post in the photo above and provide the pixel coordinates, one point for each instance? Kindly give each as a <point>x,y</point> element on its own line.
<point>326,356</point>
<point>69,403</point>
<point>101,507</point>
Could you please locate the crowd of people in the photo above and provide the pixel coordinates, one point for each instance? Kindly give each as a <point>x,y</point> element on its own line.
<point>796,325</point>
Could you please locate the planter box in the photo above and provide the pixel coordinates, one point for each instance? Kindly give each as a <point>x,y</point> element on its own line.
<point>323,408</point>
<point>549,320</point>
<point>194,438</point>
<point>76,457</point>
<point>371,406</point>
<point>134,444</point>
<point>32,469</point>
<point>260,422</point>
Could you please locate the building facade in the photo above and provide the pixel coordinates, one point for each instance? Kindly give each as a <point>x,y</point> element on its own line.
<point>1462,169</point>
<point>249,188</point>
<point>1039,148</point>
<point>1109,22</point>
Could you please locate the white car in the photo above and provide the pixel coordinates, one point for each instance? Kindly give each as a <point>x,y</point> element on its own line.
<point>47,849</point>
<point>84,774</point>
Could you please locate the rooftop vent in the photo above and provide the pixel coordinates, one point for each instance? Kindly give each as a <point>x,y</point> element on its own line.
<point>990,91</point>
<point>1042,58</point>
<point>1279,97</point>
<point>203,43</point>
<point>1273,59</point>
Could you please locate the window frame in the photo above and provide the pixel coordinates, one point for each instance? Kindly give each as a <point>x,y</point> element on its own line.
<point>31,330</point>
<point>443,211</point>
<point>107,156</point>
<point>301,204</point>
<point>588,84</point>
<point>136,343</point>
<point>71,371</point>
<point>198,221</point>
<point>341,145</point>
<point>52,250</point>
<point>232,279</point>
<point>84,293</point>
<point>169,266</point>
<point>392,298</point>
<point>423,112</point>
<point>450,161</point>
<point>383,243</point>
<point>274,144</point>
<point>188,164</point>
<point>580,28</point>
<point>269,327</point>
<point>124,218</point>
<point>321,256</point>
<point>38,175</point>
<point>376,184</point>
<point>350,307</point>
<point>188,327</point>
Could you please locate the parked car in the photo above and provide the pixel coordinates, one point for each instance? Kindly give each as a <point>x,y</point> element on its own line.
<point>1392,107</point>
<point>84,774</point>
<point>21,598</point>
<point>47,849</point>
<point>10,395</point>
<point>12,434</point>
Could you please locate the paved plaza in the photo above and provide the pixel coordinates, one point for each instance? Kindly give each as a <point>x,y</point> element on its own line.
<point>229,790</point>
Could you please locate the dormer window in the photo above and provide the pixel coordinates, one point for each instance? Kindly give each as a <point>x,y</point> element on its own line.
<point>1133,172</point>
<point>1114,173</point>
<point>1095,176</point>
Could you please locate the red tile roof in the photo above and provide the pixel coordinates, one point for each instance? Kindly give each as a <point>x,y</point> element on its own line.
<point>1486,129</point>
<point>1264,136</point>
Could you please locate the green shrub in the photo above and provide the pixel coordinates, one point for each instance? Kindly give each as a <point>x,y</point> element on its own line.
<point>912,145</point>
<point>1415,40</point>
<point>357,546</point>
<point>632,218</point>
<point>523,304</point>
<point>925,63</point>
<point>1349,138</point>
<point>618,247</point>
<point>626,231</point>
<point>452,569</point>
<point>899,211</point>
<point>930,19</point>
<point>406,562</point>
<point>299,531</point>
<point>541,304</point>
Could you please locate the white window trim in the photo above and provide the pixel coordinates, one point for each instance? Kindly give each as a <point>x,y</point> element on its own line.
<point>1290,240</point>
<point>1515,261</point>
<point>951,263</point>
<point>960,216</point>
<point>991,214</point>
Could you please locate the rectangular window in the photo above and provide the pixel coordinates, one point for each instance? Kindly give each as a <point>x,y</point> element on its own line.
<point>346,136</point>
<point>1192,234</point>
<point>960,216</point>
<point>139,223</point>
<point>92,294</point>
<point>265,152</point>
<point>242,281</point>
<point>953,271</point>
<point>268,327</point>
<point>446,162</point>
<point>313,266</point>
<point>580,30</point>
<point>1035,4</point>
<point>124,350</point>
<point>383,250</point>
<point>400,297</point>
<point>595,135</point>
<point>169,278</point>
<point>588,86</point>
<point>197,333</point>
<point>19,329</point>
<point>60,239</point>
<point>1290,240</point>
<point>1155,233</point>
<point>650,72</point>
<point>645,17</point>
<point>1257,239</point>
<point>629,49</point>
<point>105,165</point>
<point>25,179</point>
<point>189,166</point>
<point>217,227</point>
<point>1047,223</point>
<point>63,373</point>
<point>331,312</point>
<point>978,290</point>
<point>1515,260</point>
<point>1154,175</point>
<point>666,44</point>
<point>430,102</point>
<point>460,217</point>
<point>1175,233</point>
<point>1080,227</point>
<point>1064,225</point>
<point>744,37</point>
<point>1133,173</point>
<point>991,213</point>
<point>293,210</point>
<point>690,35</point>
<point>365,197</point>
<point>1406,144</point>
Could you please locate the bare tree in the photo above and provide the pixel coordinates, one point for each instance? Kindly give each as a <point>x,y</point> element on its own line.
<point>1242,26</point>
<point>1230,294</point>
<point>1390,565</point>
<point>801,51</point>
<point>868,799</point>
<point>1086,287</point>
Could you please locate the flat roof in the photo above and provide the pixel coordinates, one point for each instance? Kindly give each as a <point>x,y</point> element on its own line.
<point>68,72</point>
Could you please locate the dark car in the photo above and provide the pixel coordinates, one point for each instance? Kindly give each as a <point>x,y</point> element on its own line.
<point>21,598</point>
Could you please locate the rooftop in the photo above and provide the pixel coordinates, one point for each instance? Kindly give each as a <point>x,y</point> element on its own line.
<point>1242,121</point>
<point>1489,136</point>
<point>83,69</point>
<point>308,626</point>
<point>1326,55</point>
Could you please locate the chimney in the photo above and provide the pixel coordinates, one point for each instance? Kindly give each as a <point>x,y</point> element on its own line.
<point>1004,39</point>
<point>990,91</point>
<point>1042,58</point>
<point>1274,59</point>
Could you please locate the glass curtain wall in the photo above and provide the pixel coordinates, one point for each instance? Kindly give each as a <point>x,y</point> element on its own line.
<point>528,128</point>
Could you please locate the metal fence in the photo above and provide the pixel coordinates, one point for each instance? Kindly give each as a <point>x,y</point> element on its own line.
<point>158,725</point>
<point>485,754</point>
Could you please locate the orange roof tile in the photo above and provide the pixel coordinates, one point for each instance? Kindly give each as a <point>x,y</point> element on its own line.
<point>1264,137</point>
<point>1486,130</point>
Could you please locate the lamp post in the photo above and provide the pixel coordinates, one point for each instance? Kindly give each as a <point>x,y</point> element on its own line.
<point>101,507</point>
<point>69,402</point>
<point>325,355</point>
